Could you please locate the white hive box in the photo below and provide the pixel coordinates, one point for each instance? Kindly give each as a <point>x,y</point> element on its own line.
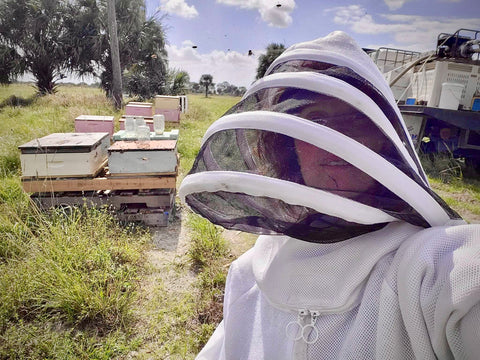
<point>142,157</point>
<point>65,155</point>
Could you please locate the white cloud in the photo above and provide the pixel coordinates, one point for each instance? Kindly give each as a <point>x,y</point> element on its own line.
<point>178,7</point>
<point>270,12</point>
<point>411,32</point>
<point>238,69</point>
<point>395,4</point>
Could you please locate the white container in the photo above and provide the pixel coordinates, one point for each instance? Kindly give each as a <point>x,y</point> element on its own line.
<point>158,124</point>
<point>139,121</point>
<point>143,132</point>
<point>130,125</point>
<point>450,96</point>
<point>65,155</point>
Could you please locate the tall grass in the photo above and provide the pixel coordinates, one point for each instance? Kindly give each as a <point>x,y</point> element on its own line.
<point>67,277</point>
<point>67,274</point>
<point>24,116</point>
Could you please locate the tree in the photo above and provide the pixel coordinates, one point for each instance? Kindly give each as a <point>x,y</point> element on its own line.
<point>195,87</point>
<point>265,60</point>
<point>142,52</point>
<point>36,31</point>
<point>48,38</point>
<point>51,37</point>
<point>115,55</point>
<point>179,81</point>
<point>11,64</point>
<point>206,80</point>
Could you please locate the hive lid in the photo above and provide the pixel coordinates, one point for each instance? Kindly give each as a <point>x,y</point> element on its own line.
<point>64,143</point>
<point>94,118</point>
<point>145,145</point>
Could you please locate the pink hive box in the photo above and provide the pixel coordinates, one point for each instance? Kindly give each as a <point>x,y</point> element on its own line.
<point>170,114</point>
<point>94,123</point>
<point>139,109</point>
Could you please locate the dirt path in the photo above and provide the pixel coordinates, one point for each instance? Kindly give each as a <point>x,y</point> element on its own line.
<point>167,281</point>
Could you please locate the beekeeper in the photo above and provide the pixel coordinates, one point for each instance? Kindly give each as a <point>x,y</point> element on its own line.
<point>358,258</point>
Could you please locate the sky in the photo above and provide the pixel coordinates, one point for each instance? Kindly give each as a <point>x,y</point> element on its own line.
<point>215,36</point>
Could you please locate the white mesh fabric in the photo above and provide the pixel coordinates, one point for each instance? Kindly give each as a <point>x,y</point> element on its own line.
<point>419,298</point>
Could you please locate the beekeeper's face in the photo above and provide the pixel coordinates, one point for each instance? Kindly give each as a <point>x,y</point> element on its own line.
<point>323,170</point>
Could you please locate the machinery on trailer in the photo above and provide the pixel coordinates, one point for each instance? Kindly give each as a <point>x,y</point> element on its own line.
<point>438,93</point>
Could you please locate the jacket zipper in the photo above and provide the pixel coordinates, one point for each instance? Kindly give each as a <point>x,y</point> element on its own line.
<point>303,332</point>
<point>304,327</point>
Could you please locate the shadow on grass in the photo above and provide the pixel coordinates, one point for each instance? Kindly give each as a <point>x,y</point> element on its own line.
<point>17,101</point>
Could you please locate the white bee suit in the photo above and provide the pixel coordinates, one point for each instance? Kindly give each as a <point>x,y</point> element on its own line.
<point>398,293</point>
<point>358,258</point>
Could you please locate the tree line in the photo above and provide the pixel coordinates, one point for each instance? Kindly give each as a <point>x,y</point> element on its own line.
<point>51,39</point>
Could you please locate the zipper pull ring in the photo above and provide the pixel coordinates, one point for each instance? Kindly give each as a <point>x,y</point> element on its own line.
<point>294,329</point>
<point>309,330</point>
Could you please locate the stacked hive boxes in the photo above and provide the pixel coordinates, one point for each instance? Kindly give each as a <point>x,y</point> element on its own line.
<point>70,168</point>
<point>169,106</point>
<point>146,159</point>
<point>65,155</point>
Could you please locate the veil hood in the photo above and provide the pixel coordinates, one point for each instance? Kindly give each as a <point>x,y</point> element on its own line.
<point>316,150</point>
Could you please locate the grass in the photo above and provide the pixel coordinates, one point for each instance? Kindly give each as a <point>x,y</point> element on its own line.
<point>25,116</point>
<point>67,281</point>
<point>72,280</point>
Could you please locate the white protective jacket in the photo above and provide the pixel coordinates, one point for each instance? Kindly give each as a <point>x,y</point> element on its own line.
<point>358,258</point>
<point>398,293</point>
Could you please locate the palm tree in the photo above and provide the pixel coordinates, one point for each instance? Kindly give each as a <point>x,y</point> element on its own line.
<point>36,31</point>
<point>206,80</point>
<point>265,60</point>
<point>115,52</point>
<point>179,82</point>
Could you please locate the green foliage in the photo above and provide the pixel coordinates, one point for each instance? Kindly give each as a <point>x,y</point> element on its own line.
<point>37,30</point>
<point>225,88</point>
<point>65,276</point>
<point>24,116</point>
<point>274,50</point>
<point>443,166</point>
<point>179,81</point>
<point>58,36</point>
<point>206,80</point>
<point>207,244</point>
<point>142,51</point>
<point>11,64</point>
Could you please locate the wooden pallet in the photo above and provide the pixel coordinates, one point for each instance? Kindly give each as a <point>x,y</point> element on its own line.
<point>152,207</point>
<point>99,183</point>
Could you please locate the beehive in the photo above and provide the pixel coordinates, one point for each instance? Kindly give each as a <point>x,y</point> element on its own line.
<point>143,157</point>
<point>94,123</point>
<point>65,155</point>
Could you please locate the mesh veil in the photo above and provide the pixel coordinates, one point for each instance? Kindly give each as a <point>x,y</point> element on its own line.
<point>275,152</point>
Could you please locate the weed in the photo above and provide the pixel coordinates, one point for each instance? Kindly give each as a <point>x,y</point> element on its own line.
<point>207,244</point>
<point>443,166</point>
